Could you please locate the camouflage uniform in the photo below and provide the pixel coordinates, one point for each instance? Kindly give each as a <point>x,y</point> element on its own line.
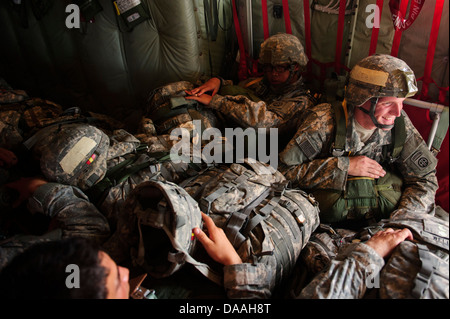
<point>71,212</point>
<point>323,171</point>
<point>248,281</point>
<point>276,108</point>
<point>308,159</point>
<point>405,274</point>
<point>346,275</point>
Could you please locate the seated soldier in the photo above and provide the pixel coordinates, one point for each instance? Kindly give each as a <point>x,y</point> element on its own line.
<point>364,159</point>
<point>275,100</point>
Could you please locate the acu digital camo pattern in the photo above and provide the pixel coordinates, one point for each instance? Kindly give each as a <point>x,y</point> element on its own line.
<point>331,250</point>
<point>280,108</point>
<point>309,164</point>
<point>162,215</point>
<point>418,269</point>
<point>278,221</point>
<point>168,109</point>
<point>281,49</point>
<point>380,75</point>
<point>23,117</point>
<point>74,154</point>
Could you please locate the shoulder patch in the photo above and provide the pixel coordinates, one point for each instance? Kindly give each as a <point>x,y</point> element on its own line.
<point>420,160</point>
<point>307,148</point>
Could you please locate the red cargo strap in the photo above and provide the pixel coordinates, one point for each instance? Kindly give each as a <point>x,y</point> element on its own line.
<point>287,17</point>
<point>375,31</point>
<point>265,18</point>
<point>426,78</point>
<point>242,72</point>
<point>398,13</point>
<point>307,36</point>
<point>398,29</point>
<point>340,35</point>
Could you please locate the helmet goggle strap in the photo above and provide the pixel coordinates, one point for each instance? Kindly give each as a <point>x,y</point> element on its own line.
<point>371,113</point>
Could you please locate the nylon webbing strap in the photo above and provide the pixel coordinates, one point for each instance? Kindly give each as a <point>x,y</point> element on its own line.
<point>284,248</point>
<point>399,136</point>
<point>441,131</point>
<point>430,264</point>
<point>262,215</point>
<point>238,219</point>
<point>341,128</point>
<point>340,35</point>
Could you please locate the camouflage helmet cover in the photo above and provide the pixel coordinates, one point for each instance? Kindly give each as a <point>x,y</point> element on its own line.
<point>166,215</point>
<point>75,154</point>
<point>380,75</point>
<point>282,48</point>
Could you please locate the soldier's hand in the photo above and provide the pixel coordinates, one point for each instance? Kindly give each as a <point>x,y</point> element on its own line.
<point>7,158</point>
<point>384,242</point>
<point>217,244</point>
<point>212,84</point>
<point>204,99</point>
<point>364,166</point>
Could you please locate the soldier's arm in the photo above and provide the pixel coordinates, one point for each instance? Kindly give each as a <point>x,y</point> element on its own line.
<point>357,267</point>
<point>241,280</point>
<point>71,210</point>
<point>306,160</point>
<point>258,114</point>
<point>417,166</point>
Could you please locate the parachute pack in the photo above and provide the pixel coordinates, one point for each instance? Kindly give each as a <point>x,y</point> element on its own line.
<point>265,221</point>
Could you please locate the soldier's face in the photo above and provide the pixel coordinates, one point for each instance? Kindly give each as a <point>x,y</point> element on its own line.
<point>277,75</point>
<point>386,111</point>
<point>117,278</point>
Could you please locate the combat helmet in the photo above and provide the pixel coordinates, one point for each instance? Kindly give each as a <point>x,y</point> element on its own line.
<point>74,154</point>
<point>282,48</point>
<point>379,75</point>
<point>165,215</point>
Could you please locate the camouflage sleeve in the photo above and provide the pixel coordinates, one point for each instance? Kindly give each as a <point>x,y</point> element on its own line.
<point>247,113</point>
<point>247,281</point>
<point>417,166</point>
<point>306,160</point>
<point>347,275</point>
<point>71,210</point>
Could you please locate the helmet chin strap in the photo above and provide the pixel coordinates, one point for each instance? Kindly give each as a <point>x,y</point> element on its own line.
<point>371,113</point>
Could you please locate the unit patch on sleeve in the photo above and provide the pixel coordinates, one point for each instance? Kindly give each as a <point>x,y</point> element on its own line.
<point>420,160</point>
<point>307,148</point>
